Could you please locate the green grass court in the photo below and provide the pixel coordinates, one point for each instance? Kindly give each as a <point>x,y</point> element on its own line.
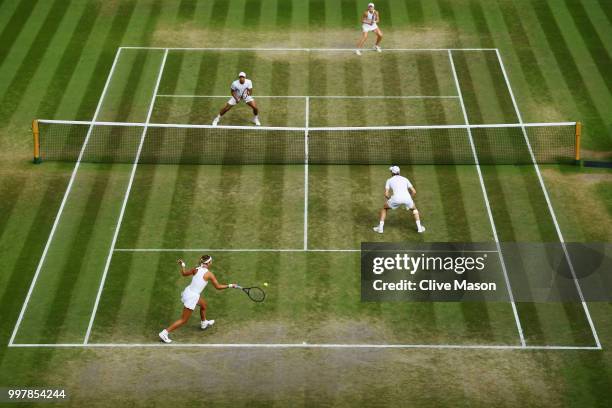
<point>294,226</point>
<point>89,275</point>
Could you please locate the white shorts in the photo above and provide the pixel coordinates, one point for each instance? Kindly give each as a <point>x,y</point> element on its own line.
<point>246,99</point>
<point>189,299</point>
<point>365,27</point>
<point>395,202</point>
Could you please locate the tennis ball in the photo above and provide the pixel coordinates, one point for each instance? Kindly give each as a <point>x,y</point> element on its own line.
<point>265,283</point>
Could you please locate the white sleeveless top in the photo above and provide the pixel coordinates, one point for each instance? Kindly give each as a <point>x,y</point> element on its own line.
<point>198,283</point>
<point>370,17</point>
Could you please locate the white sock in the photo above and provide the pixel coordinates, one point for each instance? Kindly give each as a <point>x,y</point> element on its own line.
<point>218,117</point>
<point>418,224</point>
<point>381,224</point>
<point>256,116</point>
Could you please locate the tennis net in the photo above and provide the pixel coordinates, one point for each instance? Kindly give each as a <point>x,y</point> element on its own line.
<point>118,142</point>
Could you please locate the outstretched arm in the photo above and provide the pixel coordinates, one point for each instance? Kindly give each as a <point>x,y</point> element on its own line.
<point>209,276</point>
<point>412,191</point>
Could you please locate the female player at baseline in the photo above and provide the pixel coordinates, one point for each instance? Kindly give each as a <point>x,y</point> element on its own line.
<point>403,191</point>
<point>191,295</point>
<point>369,22</point>
<point>241,90</point>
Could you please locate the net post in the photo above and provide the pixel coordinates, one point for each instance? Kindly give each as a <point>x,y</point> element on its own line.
<point>577,146</point>
<point>36,134</point>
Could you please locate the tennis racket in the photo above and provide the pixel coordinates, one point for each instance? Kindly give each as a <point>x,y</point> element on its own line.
<point>254,293</point>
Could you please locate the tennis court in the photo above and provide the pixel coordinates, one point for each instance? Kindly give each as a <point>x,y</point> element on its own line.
<point>297,226</point>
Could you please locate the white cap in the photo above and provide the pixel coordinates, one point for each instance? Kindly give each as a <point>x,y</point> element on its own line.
<point>242,74</point>
<point>370,4</point>
<point>394,169</point>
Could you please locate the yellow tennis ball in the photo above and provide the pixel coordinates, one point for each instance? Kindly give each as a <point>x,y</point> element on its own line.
<point>265,283</point>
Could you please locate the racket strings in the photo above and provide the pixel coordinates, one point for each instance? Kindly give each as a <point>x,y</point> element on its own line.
<point>256,294</point>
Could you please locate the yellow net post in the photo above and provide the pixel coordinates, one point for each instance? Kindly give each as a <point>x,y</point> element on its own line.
<point>36,134</point>
<point>578,135</point>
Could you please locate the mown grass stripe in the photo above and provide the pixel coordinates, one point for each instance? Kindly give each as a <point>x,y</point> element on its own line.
<point>599,137</point>
<point>220,10</point>
<point>10,190</point>
<point>73,262</point>
<point>252,14</point>
<point>415,12</point>
<point>31,63</point>
<point>494,70</point>
<point>349,13</point>
<point>14,27</point>
<point>34,242</point>
<point>71,55</point>
<point>118,28</point>
<point>605,6</point>
<point>592,40</point>
<point>538,86</point>
<point>186,9</point>
<point>128,95</point>
<point>386,15</point>
<point>455,213</point>
<point>316,13</point>
<point>284,13</point>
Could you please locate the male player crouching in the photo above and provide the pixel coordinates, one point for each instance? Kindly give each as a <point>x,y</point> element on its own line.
<point>241,90</point>
<point>402,191</point>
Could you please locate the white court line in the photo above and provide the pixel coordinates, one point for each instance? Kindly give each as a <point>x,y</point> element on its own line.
<point>548,203</point>
<point>307,346</point>
<point>489,212</point>
<point>125,200</point>
<point>304,49</point>
<point>307,119</point>
<point>320,96</point>
<point>64,199</point>
<point>290,250</point>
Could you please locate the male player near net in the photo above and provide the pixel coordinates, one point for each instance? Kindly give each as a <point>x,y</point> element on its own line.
<point>403,191</point>
<point>241,90</point>
<point>190,297</point>
<point>369,22</point>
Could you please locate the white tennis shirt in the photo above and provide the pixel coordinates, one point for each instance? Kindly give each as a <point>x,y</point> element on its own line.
<point>239,88</point>
<point>399,185</point>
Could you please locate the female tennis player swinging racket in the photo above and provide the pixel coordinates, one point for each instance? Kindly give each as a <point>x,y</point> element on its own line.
<point>190,297</point>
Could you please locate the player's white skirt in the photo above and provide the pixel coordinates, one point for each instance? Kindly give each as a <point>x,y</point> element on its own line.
<point>395,202</point>
<point>246,99</point>
<point>190,298</point>
<point>365,27</point>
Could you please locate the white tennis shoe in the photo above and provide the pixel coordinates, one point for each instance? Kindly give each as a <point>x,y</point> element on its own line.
<point>378,229</point>
<point>357,52</point>
<point>421,229</point>
<point>163,335</point>
<point>377,48</point>
<point>256,122</point>
<point>204,324</point>
<point>215,121</point>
